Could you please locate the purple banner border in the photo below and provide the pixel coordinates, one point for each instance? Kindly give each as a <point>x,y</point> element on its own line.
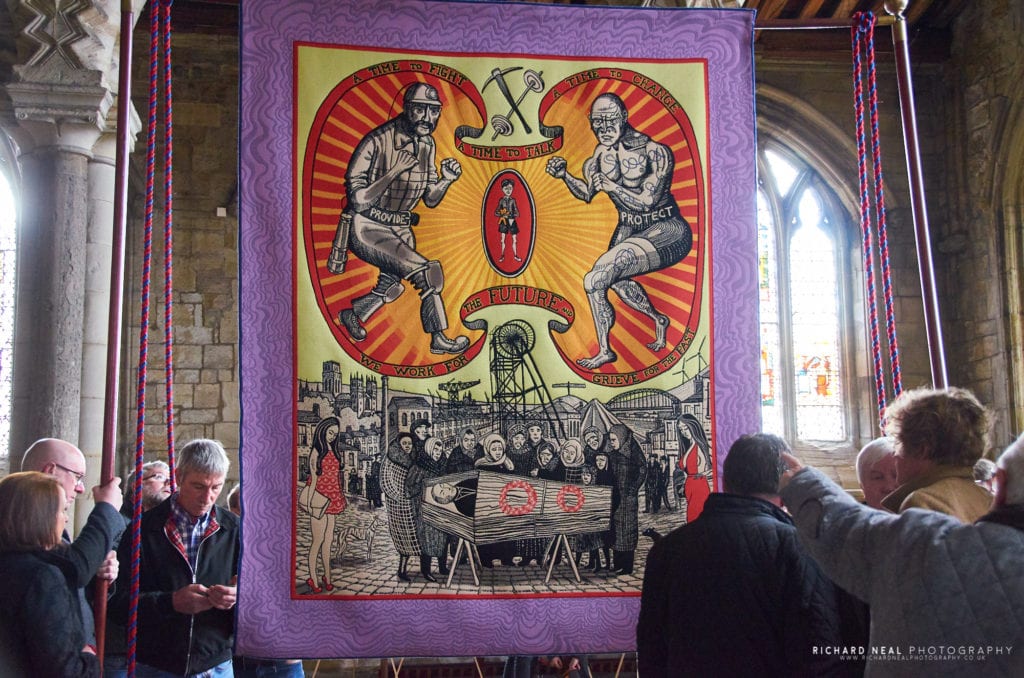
<point>270,621</point>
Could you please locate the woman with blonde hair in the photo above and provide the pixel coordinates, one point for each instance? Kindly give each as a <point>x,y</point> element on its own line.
<point>41,633</point>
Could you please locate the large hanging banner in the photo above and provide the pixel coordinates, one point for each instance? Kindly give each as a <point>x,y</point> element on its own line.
<point>498,317</point>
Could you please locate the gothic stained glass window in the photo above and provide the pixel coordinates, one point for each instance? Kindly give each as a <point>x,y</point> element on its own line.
<point>800,297</point>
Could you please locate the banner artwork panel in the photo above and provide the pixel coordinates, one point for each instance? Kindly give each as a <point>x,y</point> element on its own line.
<point>498,317</point>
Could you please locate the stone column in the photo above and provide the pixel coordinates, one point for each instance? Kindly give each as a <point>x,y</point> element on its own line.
<point>96,312</point>
<point>60,95</point>
<point>51,262</point>
<point>96,318</point>
<point>60,120</point>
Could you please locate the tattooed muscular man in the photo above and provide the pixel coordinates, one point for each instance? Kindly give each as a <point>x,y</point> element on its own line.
<point>636,173</point>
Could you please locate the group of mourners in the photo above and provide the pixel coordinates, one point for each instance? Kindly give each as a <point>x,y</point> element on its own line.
<point>613,459</point>
<point>610,457</point>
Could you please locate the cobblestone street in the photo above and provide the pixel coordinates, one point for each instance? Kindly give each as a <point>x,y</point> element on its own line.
<point>353,575</point>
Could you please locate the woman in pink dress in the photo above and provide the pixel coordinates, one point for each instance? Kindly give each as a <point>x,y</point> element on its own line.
<point>325,471</point>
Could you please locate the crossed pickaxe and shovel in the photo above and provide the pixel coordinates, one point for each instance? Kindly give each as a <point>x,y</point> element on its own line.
<point>502,124</point>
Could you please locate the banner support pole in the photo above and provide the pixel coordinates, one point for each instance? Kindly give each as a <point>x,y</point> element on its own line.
<point>919,212</point>
<point>124,102</point>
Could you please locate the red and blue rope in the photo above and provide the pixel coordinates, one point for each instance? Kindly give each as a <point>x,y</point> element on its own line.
<point>863,33</point>
<point>140,404</point>
<point>159,31</point>
<point>865,208</point>
<point>883,237</point>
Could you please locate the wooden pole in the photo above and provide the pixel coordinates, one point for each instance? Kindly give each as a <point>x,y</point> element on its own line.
<point>933,328</point>
<point>124,102</point>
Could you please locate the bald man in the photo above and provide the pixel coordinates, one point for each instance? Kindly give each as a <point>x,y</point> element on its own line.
<point>99,536</point>
<point>876,471</point>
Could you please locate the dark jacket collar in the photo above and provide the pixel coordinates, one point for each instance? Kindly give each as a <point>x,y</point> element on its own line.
<point>723,502</point>
<point>1011,515</point>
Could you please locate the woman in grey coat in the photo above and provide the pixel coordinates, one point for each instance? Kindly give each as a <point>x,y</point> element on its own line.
<point>401,524</point>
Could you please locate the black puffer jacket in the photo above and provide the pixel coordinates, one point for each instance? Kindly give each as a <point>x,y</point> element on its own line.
<point>168,640</point>
<point>734,594</point>
<point>41,629</point>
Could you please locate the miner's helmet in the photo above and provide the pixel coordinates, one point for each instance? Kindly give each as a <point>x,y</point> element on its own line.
<point>421,93</point>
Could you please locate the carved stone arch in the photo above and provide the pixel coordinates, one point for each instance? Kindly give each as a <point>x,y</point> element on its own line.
<point>805,130</point>
<point>1008,199</point>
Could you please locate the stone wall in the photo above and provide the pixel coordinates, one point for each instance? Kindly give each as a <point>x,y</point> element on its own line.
<point>205,71</point>
<point>983,94</point>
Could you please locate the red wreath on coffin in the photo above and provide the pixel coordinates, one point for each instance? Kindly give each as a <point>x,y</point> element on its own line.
<point>566,491</point>
<point>522,509</point>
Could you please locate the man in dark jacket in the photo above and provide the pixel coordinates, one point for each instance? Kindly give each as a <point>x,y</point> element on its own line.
<point>156,487</point>
<point>373,491</point>
<point>733,593</point>
<point>630,471</point>
<point>189,559</point>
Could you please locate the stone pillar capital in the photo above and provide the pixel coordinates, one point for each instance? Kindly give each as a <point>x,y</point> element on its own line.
<point>66,37</point>
<point>105,149</point>
<point>65,76</point>
<point>69,115</point>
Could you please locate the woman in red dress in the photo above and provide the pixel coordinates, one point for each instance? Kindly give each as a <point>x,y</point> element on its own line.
<point>694,466</point>
<point>325,472</point>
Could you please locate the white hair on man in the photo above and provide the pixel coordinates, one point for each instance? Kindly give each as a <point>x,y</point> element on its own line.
<point>878,448</point>
<point>155,467</point>
<point>202,456</point>
<point>984,469</point>
<point>1011,462</point>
